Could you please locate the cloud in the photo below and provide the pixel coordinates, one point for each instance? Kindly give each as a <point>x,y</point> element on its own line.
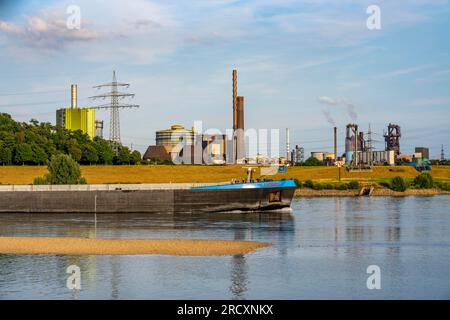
<point>328,100</point>
<point>48,31</point>
<point>404,71</point>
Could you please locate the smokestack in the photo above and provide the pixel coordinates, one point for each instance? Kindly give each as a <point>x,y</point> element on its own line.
<point>240,112</point>
<point>356,145</point>
<point>234,99</point>
<point>240,141</point>
<point>288,151</point>
<point>73,92</point>
<point>335,143</point>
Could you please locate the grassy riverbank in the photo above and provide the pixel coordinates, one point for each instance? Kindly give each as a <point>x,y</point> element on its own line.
<point>306,192</point>
<point>189,173</point>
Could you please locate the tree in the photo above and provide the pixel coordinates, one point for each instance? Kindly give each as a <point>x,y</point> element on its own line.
<point>89,154</point>
<point>311,161</point>
<point>123,156</point>
<point>135,157</point>
<point>74,150</point>
<point>62,169</point>
<point>52,140</point>
<point>5,155</point>
<point>39,154</point>
<point>104,151</point>
<point>23,153</point>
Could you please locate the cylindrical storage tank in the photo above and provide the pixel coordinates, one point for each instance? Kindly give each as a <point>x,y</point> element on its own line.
<point>329,155</point>
<point>175,135</point>
<point>318,155</point>
<point>348,157</point>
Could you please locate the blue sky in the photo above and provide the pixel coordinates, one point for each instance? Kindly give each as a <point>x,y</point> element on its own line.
<point>300,65</point>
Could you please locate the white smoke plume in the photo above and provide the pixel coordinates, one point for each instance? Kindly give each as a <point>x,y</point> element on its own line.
<point>351,108</point>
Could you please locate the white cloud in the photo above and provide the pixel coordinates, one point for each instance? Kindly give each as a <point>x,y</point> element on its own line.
<point>48,31</point>
<point>404,71</point>
<point>328,100</point>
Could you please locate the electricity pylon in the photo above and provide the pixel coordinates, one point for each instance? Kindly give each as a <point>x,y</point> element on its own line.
<point>114,106</point>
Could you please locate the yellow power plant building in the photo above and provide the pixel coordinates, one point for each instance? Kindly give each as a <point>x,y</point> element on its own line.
<point>75,118</point>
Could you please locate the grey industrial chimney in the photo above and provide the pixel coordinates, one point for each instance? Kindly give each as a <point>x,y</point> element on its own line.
<point>335,144</point>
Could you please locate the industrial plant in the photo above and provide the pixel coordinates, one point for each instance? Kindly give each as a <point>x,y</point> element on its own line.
<point>178,144</point>
<point>359,150</point>
<point>84,119</point>
<point>75,118</point>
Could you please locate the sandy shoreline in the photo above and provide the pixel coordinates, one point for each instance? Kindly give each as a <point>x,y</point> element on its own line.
<point>90,246</point>
<point>380,192</point>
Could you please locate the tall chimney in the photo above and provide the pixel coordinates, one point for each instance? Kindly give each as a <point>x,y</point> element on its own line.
<point>288,151</point>
<point>240,112</point>
<point>234,99</point>
<point>240,143</point>
<point>73,92</point>
<point>356,145</point>
<point>335,144</point>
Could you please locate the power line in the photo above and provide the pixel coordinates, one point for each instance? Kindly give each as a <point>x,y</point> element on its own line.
<point>114,106</point>
<point>26,104</point>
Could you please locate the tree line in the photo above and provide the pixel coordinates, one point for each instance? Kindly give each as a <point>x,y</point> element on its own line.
<point>35,143</point>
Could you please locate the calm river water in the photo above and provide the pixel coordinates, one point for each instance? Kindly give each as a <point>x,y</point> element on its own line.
<point>320,251</point>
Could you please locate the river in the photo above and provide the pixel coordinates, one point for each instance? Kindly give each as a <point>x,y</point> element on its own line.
<point>320,251</point>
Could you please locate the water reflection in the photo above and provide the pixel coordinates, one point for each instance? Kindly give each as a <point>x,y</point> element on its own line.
<point>322,250</point>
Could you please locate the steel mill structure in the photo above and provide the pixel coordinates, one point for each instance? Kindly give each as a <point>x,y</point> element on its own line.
<point>392,139</point>
<point>114,106</point>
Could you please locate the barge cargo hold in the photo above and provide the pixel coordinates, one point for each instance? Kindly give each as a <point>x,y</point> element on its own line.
<point>147,198</point>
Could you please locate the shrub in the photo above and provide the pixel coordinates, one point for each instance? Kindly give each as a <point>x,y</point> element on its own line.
<point>82,180</point>
<point>398,184</point>
<point>328,186</point>
<point>444,186</point>
<point>424,181</point>
<point>317,186</point>
<point>353,184</point>
<point>63,170</point>
<point>39,181</point>
<point>298,183</point>
<point>341,187</point>
<point>308,184</point>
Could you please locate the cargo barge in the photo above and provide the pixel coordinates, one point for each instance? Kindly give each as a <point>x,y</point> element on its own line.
<point>148,198</point>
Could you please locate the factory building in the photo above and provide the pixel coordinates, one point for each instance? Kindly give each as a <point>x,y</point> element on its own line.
<point>182,145</point>
<point>99,128</point>
<point>168,142</point>
<point>75,118</point>
<point>297,155</point>
<point>214,148</point>
<point>175,135</point>
<point>422,152</point>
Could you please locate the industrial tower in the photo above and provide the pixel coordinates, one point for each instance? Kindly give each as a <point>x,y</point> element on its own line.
<point>114,105</point>
<point>392,138</point>
<point>238,122</point>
